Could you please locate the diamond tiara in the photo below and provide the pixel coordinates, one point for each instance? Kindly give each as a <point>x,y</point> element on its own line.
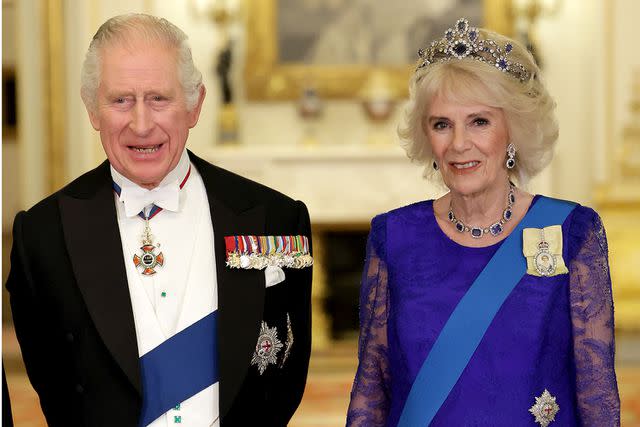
<point>463,41</point>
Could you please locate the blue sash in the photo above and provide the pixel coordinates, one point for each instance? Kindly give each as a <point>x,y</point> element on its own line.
<point>471,318</point>
<point>179,368</point>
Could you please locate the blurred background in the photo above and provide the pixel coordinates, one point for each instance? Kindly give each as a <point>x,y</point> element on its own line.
<point>305,96</point>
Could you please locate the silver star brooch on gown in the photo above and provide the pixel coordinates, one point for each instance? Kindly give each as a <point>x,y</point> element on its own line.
<point>545,409</point>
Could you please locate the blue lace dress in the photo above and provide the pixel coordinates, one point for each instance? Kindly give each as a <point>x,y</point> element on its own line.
<point>553,333</point>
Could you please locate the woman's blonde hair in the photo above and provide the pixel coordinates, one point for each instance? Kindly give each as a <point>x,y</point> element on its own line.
<point>527,106</point>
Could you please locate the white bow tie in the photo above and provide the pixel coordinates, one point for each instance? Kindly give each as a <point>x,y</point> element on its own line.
<point>136,198</point>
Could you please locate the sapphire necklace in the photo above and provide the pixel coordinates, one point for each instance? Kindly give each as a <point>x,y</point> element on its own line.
<point>494,229</point>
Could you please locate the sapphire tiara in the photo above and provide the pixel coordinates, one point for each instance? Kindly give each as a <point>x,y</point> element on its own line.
<point>463,41</point>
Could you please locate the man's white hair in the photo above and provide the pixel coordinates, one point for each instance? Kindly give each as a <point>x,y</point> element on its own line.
<point>120,29</point>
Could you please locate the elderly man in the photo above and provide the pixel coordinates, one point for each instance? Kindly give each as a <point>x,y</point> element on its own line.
<point>158,289</point>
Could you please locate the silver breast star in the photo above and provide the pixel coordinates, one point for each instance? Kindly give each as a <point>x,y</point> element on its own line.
<point>545,409</point>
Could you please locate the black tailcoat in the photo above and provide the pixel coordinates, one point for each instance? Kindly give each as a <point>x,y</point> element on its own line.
<point>74,321</point>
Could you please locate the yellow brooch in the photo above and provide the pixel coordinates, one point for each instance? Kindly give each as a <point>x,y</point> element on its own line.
<point>542,247</point>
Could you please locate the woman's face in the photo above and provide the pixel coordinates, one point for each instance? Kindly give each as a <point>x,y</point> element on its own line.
<point>469,143</point>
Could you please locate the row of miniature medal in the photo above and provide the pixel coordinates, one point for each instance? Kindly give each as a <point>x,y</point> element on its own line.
<point>258,252</point>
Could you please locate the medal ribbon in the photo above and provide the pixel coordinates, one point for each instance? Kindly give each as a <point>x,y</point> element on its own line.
<point>265,245</point>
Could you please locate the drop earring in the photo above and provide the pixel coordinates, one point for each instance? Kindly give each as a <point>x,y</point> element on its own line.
<point>511,156</point>
<point>435,166</point>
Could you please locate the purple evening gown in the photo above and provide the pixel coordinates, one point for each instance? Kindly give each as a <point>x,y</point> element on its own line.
<point>553,333</point>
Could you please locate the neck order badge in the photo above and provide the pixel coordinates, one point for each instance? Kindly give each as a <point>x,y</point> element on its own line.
<point>148,260</point>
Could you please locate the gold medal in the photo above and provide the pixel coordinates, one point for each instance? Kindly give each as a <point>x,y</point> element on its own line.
<point>148,260</point>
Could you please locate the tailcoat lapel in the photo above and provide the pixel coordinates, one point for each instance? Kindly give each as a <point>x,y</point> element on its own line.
<point>92,237</point>
<point>240,292</point>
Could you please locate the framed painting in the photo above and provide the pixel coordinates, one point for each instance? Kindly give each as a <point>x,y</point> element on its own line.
<point>334,46</point>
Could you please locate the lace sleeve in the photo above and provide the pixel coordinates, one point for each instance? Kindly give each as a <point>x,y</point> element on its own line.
<point>369,396</point>
<point>592,318</point>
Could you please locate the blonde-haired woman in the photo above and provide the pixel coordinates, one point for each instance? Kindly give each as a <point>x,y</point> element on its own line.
<point>489,306</point>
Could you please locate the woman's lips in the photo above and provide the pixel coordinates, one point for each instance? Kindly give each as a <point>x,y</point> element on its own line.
<point>464,167</point>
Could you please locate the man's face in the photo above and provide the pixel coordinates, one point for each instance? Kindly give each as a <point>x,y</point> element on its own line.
<point>141,112</point>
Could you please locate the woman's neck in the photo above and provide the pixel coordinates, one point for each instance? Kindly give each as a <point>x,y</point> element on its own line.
<point>482,208</point>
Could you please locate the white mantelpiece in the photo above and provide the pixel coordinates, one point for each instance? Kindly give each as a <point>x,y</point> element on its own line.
<point>339,184</point>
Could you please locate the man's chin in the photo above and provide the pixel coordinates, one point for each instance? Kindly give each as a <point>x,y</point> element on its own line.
<point>146,180</point>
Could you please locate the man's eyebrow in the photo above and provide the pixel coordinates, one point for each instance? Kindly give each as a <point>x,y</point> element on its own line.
<point>115,93</point>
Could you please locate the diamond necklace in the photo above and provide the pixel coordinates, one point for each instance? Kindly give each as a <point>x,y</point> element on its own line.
<point>494,229</point>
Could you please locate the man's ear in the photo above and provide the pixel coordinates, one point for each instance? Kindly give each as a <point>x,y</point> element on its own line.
<point>93,116</point>
<point>194,114</point>
<point>95,121</point>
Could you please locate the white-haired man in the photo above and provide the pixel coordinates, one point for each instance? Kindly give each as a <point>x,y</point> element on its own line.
<point>158,289</point>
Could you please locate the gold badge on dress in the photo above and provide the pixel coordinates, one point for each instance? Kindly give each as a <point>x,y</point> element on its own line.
<point>545,409</point>
<point>544,261</point>
<point>542,247</point>
<point>267,348</point>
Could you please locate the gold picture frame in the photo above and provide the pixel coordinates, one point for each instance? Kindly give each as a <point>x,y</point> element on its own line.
<point>268,80</point>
